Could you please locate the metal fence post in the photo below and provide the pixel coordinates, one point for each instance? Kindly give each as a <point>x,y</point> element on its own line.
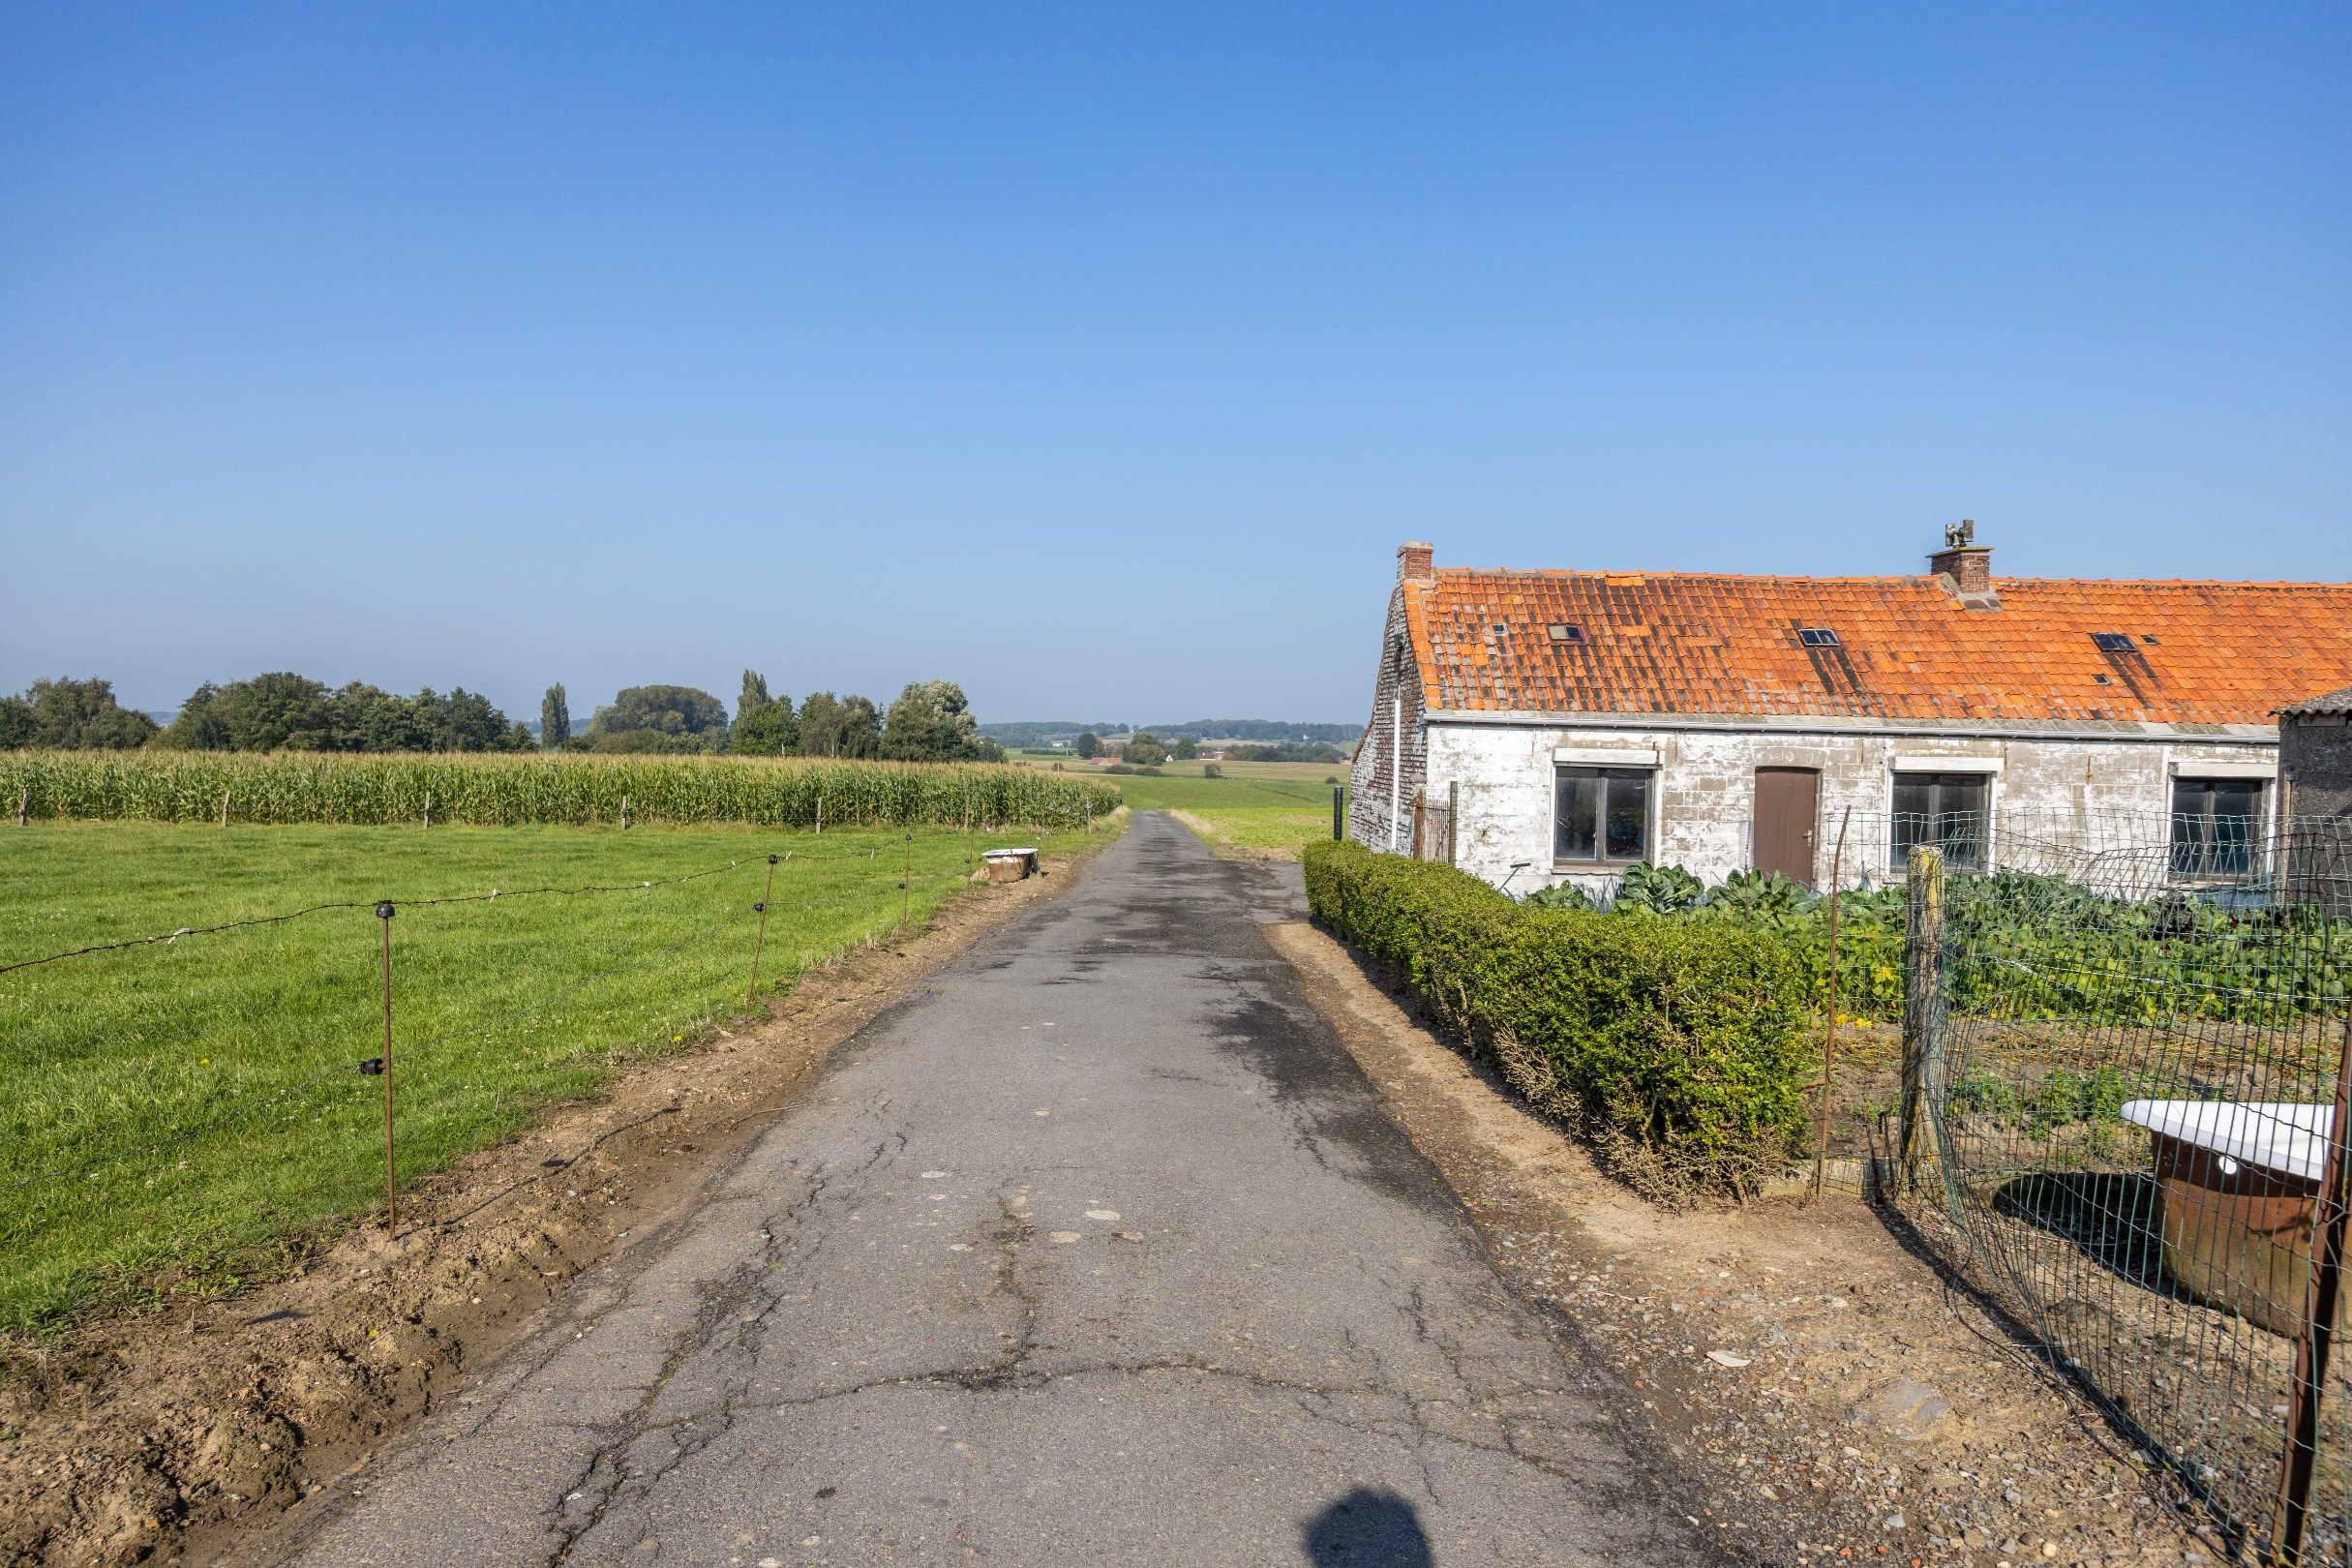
<point>751,991</point>
<point>1336,792</point>
<point>384,920</point>
<point>1453,822</point>
<point>1837,870</point>
<point>2316,1338</point>
<point>1922,1002</point>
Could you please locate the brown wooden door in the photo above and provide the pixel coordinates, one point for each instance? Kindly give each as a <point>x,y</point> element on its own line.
<point>1788,801</point>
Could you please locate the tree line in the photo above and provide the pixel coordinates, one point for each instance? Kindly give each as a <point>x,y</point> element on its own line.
<point>931,721</point>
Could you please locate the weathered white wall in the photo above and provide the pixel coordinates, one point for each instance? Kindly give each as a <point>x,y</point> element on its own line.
<point>1704,799</point>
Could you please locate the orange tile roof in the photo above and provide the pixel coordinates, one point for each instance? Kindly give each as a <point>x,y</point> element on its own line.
<point>1907,649</point>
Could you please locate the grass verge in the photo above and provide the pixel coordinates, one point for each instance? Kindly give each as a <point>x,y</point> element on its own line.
<point>1250,816</point>
<point>179,1108</point>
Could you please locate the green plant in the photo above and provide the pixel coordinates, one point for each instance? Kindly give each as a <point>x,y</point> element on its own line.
<point>1679,1044</point>
<point>1658,890</point>
<point>1561,895</point>
<point>537,788</point>
<point>1757,896</point>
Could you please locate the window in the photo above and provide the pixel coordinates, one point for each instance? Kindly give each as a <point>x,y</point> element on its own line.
<point>2215,826</point>
<point>1567,631</point>
<point>1817,637</point>
<point>1601,814</point>
<point>2112,642</point>
<point>1951,812</point>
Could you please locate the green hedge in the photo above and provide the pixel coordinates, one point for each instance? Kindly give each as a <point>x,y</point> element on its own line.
<point>1679,1047</point>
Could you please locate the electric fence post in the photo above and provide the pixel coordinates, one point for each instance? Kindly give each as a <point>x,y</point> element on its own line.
<point>751,991</point>
<point>383,920</point>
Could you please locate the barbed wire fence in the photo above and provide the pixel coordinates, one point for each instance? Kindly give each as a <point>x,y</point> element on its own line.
<point>736,932</point>
<point>2120,1081</point>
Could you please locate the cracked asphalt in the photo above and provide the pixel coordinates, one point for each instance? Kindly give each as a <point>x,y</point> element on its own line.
<point>1097,1250</point>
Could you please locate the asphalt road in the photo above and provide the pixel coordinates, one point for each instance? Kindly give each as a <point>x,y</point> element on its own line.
<point>1098,1249</point>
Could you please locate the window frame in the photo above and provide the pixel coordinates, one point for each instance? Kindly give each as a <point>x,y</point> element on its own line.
<point>2252,851</point>
<point>1898,851</point>
<point>1601,860</point>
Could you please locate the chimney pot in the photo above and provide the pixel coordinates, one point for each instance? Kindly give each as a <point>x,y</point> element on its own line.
<point>1413,562</point>
<point>1966,564</point>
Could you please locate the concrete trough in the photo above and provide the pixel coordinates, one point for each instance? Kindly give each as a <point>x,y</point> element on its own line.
<point>2237,1186</point>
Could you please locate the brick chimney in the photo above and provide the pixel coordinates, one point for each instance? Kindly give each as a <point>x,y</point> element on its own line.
<point>1413,562</point>
<point>1965,565</point>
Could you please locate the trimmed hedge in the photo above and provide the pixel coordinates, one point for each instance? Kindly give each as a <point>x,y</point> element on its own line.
<point>1679,1047</point>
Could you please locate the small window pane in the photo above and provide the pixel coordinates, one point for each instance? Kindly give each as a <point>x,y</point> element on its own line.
<point>2214,824</point>
<point>1951,812</point>
<point>1627,823</point>
<point>1577,815</point>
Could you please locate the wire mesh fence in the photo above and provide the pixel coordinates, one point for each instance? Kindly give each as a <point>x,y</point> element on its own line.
<point>2123,1066</point>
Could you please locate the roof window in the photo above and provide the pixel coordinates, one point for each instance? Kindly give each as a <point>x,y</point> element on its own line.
<point>2112,642</point>
<point>1567,631</point>
<point>1817,636</point>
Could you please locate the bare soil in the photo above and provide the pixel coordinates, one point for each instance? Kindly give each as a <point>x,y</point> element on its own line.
<point>1837,1395</point>
<point>181,1437</point>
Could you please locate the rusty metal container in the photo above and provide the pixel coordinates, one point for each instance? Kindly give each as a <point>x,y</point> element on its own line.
<point>2239,1187</point>
<point>1011,865</point>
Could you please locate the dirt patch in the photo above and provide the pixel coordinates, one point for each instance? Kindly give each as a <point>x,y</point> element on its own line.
<point>177,1436</point>
<point>1833,1395</point>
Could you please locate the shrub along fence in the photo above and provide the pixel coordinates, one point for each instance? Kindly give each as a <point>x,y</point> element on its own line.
<point>1679,1047</point>
<point>507,791</point>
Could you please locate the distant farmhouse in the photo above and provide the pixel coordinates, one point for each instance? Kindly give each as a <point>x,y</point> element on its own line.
<point>1540,727</point>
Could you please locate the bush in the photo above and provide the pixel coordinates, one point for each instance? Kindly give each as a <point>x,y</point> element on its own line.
<point>1679,1046</point>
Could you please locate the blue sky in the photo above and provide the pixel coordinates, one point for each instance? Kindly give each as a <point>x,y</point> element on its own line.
<point>1099,356</point>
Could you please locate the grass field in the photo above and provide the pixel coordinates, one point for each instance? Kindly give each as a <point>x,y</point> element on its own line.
<point>176,1110</point>
<point>1247,809</point>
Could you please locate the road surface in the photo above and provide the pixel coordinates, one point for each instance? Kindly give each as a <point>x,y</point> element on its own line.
<point>1098,1249</point>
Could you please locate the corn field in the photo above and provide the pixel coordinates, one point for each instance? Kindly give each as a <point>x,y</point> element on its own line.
<point>507,791</point>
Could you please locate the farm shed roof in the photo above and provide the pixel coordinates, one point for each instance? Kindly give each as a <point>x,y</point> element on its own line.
<point>2335,702</point>
<point>2033,651</point>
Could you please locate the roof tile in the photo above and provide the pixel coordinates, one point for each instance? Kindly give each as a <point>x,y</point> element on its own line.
<point>1693,643</point>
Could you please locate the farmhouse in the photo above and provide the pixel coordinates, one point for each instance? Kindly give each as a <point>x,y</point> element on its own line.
<point>1540,727</point>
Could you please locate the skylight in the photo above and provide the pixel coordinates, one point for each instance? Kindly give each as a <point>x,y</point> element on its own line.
<point>2112,642</point>
<point>1567,631</point>
<point>1817,637</point>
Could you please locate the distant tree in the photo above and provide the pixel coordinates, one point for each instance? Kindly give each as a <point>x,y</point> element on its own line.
<point>1088,744</point>
<point>679,712</point>
<point>276,711</point>
<point>931,722</point>
<point>1143,750</point>
<point>16,723</point>
<point>283,711</point>
<point>554,718</point>
<point>839,726</point>
<point>466,721</point>
<point>361,718</point>
<point>1185,748</point>
<point>764,725</point>
<point>74,715</point>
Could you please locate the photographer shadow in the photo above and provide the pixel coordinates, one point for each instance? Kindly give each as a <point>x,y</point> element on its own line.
<point>1369,1528</point>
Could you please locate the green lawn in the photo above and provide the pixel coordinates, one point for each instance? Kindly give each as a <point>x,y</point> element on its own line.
<point>1245,810</point>
<point>175,1109</point>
